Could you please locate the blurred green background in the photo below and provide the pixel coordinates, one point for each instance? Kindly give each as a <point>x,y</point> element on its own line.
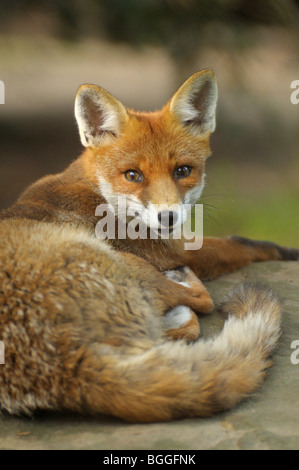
<point>141,51</point>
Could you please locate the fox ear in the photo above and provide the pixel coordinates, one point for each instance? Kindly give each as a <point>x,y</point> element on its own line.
<point>100,116</point>
<point>194,104</point>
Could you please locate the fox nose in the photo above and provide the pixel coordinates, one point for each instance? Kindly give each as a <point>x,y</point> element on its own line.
<point>168,218</point>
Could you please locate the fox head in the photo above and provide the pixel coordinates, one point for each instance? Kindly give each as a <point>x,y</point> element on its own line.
<point>156,160</point>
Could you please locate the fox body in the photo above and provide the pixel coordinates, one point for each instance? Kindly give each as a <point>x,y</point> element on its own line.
<point>88,325</point>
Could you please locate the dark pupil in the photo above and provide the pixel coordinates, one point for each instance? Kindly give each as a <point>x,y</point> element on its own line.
<point>133,175</point>
<point>182,170</point>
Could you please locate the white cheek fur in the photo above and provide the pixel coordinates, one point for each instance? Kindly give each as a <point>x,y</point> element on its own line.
<point>194,194</point>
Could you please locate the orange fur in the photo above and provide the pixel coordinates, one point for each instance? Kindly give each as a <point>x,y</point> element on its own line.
<point>82,319</point>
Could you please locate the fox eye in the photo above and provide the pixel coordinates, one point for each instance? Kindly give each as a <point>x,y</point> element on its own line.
<point>182,171</point>
<point>133,175</point>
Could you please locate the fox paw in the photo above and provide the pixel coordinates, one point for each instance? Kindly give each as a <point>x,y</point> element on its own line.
<point>275,251</point>
<point>181,323</point>
<point>200,299</point>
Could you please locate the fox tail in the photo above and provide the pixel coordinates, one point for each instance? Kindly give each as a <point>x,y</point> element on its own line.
<point>174,380</point>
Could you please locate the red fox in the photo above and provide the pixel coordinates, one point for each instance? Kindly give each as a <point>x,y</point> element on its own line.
<point>109,326</point>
